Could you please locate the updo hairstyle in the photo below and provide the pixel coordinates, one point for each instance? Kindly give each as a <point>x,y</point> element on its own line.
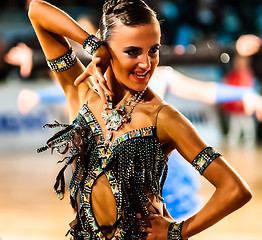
<point>128,12</point>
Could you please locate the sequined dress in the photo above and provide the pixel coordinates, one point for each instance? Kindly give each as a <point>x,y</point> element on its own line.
<point>134,162</point>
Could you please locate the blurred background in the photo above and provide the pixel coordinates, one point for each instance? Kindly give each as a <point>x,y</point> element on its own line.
<point>199,41</point>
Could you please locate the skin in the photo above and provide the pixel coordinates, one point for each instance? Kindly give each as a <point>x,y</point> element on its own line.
<point>174,131</point>
<point>133,57</point>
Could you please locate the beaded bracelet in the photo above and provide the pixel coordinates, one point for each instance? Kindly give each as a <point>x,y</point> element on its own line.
<point>62,63</point>
<point>174,231</point>
<point>91,44</point>
<point>204,158</point>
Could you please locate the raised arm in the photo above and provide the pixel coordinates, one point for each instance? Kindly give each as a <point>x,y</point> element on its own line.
<point>231,191</point>
<point>53,26</point>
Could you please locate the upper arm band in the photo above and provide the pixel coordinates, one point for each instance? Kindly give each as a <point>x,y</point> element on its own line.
<point>204,158</point>
<point>62,63</point>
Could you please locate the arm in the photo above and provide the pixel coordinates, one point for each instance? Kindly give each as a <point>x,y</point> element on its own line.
<point>52,27</point>
<point>190,88</point>
<point>212,92</point>
<point>208,92</point>
<point>204,91</point>
<point>231,192</point>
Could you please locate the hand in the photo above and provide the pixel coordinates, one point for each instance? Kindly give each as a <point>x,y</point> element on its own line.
<point>253,105</point>
<point>258,108</point>
<point>27,99</point>
<point>96,69</point>
<point>21,56</point>
<point>157,225</point>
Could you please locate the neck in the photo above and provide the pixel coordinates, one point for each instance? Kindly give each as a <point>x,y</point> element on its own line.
<point>120,91</point>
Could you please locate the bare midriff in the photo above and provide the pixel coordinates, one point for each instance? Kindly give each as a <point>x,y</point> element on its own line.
<point>104,204</point>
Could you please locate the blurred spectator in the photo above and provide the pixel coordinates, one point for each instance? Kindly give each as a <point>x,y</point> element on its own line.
<point>241,125</point>
<point>32,60</point>
<point>21,56</point>
<point>4,67</point>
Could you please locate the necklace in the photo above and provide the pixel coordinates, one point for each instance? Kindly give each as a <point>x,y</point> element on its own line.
<point>115,117</point>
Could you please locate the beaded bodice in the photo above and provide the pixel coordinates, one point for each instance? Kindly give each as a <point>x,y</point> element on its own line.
<point>132,163</point>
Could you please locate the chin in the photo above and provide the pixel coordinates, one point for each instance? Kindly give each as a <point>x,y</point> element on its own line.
<point>139,87</point>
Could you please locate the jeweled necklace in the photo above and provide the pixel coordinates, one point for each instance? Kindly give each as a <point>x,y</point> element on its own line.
<point>115,117</point>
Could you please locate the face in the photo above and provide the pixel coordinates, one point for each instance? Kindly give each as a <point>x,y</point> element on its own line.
<point>135,54</point>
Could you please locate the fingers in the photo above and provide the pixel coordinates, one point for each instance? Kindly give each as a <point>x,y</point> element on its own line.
<point>82,77</point>
<point>101,94</point>
<point>141,221</point>
<point>143,225</point>
<point>259,117</point>
<point>149,236</point>
<point>259,109</point>
<point>102,81</point>
<point>96,69</point>
<point>165,212</point>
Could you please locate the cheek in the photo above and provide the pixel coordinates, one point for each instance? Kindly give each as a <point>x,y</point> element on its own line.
<point>120,62</point>
<point>154,63</point>
<point>127,65</point>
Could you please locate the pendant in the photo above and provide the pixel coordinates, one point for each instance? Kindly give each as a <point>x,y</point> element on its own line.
<point>114,120</point>
<point>109,136</point>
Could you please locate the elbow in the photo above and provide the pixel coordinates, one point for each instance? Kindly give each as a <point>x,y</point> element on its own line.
<point>33,8</point>
<point>242,195</point>
<point>246,195</point>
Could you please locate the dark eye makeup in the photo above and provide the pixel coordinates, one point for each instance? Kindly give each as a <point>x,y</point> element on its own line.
<point>135,51</point>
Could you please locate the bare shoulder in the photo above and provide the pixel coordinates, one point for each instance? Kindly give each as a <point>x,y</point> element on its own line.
<point>177,132</point>
<point>166,115</point>
<point>152,104</point>
<point>169,117</point>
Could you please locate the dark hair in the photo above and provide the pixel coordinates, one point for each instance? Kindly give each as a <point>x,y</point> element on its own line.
<point>128,12</point>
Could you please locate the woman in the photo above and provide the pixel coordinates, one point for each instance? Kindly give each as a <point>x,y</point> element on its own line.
<point>119,146</point>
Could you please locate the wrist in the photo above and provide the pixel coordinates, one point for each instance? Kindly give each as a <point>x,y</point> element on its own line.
<point>91,44</point>
<point>174,231</point>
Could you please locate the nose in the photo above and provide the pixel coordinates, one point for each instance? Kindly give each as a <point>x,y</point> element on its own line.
<point>144,62</point>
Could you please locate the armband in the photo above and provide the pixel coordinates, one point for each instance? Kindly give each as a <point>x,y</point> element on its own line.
<point>174,231</point>
<point>204,158</point>
<point>91,44</point>
<point>62,63</point>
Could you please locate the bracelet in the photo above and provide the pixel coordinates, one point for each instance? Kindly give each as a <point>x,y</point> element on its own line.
<point>62,63</point>
<point>91,44</point>
<point>174,231</point>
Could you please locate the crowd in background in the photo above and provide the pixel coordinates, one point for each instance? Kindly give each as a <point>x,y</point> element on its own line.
<point>194,32</point>
<point>204,27</point>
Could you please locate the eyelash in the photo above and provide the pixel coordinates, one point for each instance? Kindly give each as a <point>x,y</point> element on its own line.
<point>154,50</point>
<point>134,53</point>
<point>131,52</point>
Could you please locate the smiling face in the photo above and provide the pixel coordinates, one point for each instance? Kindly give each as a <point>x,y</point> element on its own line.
<point>135,54</point>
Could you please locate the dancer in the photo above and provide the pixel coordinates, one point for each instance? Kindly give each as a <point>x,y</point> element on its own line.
<point>120,139</point>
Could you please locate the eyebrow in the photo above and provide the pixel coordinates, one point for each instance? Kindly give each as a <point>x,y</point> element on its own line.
<point>139,48</point>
